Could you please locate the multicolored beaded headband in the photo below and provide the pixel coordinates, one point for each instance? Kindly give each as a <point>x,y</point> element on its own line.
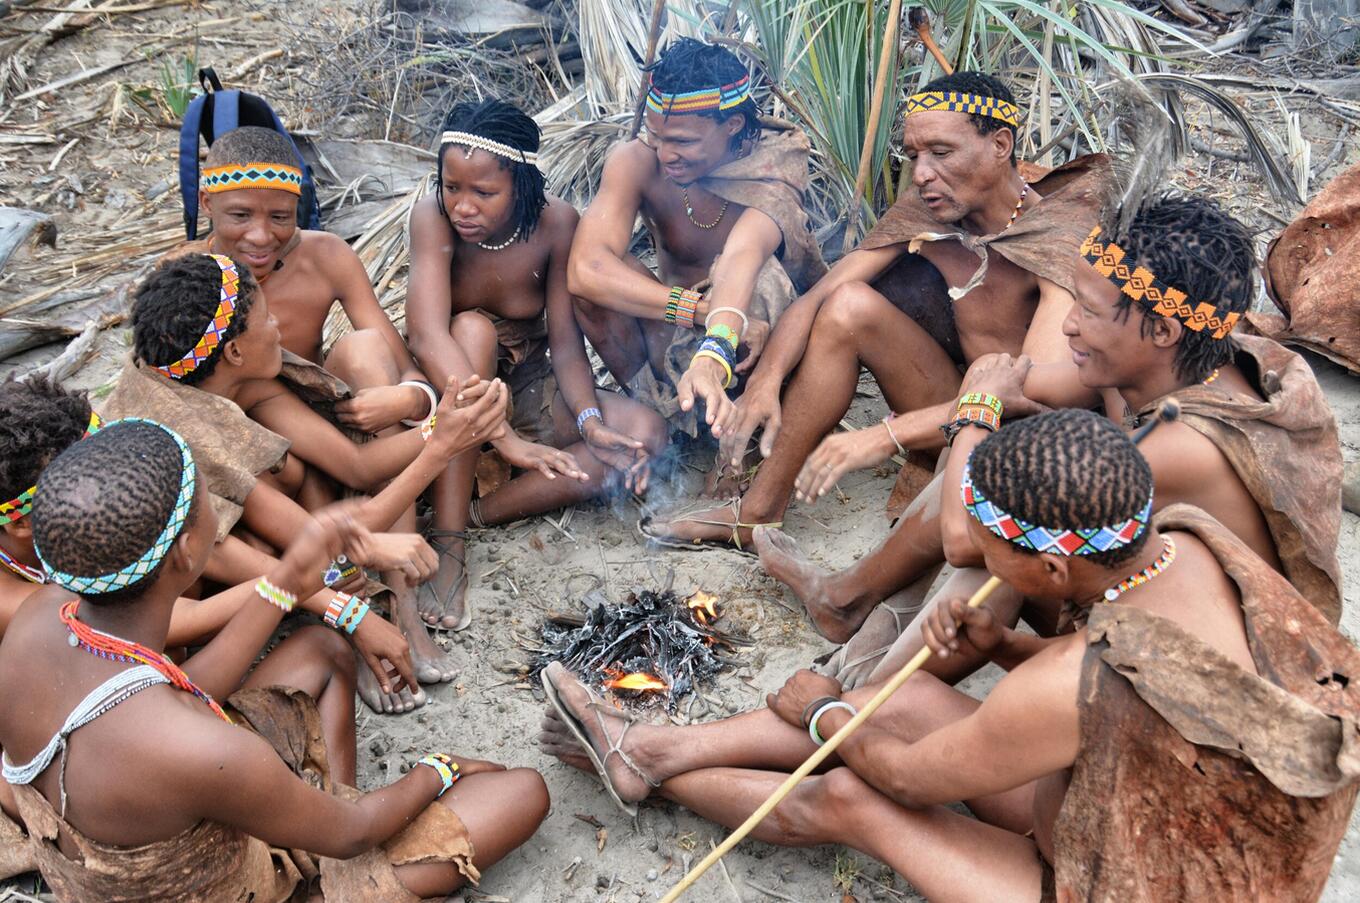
<point>1088,541</point>
<point>252,175</point>
<point>1140,284</point>
<point>22,504</point>
<point>152,557</point>
<point>221,319</point>
<point>724,98</point>
<point>477,142</point>
<point>958,102</point>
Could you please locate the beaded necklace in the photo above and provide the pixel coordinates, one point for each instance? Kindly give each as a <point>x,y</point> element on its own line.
<point>1210,378</point>
<point>1018,204</point>
<point>689,212</point>
<point>1153,570</point>
<point>32,575</point>
<point>514,236</point>
<point>104,645</point>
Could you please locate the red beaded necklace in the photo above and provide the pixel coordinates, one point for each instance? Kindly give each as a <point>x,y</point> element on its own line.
<point>32,575</point>
<point>105,645</point>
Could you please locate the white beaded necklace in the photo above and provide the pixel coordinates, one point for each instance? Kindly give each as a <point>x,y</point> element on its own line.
<point>514,236</point>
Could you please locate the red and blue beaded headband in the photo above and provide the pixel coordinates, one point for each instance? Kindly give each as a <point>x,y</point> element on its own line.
<point>22,504</point>
<point>724,98</point>
<point>1143,286</point>
<point>1086,541</point>
<point>130,574</point>
<point>212,335</point>
<point>959,102</point>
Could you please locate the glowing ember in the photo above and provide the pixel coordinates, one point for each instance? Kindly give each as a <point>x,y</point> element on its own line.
<point>638,680</point>
<point>703,607</point>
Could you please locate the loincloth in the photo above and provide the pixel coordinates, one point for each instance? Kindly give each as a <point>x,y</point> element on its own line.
<point>213,862</point>
<point>772,295</point>
<point>523,364</point>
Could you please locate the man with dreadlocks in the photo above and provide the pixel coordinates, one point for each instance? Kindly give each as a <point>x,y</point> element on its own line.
<point>721,192</point>
<point>488,297</point>
<point>207,358</point>
<point>134,782</point>
<point>970,263</point>
<point>1256,445</point>
<point>1179,745</point>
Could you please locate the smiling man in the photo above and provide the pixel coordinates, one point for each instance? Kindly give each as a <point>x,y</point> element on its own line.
<point>970,200</point>
<point>720,191</point>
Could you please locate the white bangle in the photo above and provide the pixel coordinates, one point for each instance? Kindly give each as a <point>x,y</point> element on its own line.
<point>428,390</point>
<point>812,724</point>
<point>745,321</point>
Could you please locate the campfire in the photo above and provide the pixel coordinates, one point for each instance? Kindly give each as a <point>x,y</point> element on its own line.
<point>654,645</point>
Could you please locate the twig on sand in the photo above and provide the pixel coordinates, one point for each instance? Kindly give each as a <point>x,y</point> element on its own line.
<point>771,893</point>
<point>723,865</point>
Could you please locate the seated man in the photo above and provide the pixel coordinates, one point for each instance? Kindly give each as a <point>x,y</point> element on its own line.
<point>488,296</point>
<point>109,746</point>
<point>974,220</point>
<point>721,193</point>
<point>1126,761</point>
<point>207,358</point>
<point>1256,446</point>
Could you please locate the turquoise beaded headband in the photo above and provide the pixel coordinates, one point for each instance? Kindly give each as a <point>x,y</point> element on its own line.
<point>128,576</point>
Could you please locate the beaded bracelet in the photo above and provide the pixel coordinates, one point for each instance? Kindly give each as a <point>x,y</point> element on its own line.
<point>444,765</point>
<point>275,595</point>
<point>745,321</point>
<point>686,306</point>
<point>428,390</point>
<point>338,571</point>
<point>335,609</point>
<point>585,415</point>
<point>673,303</point>
<point>427,428</point>
<point>971,415</point>
<point>817,715</point>
<point>983,398</point>
<point>725,333</point>
<point>352,615</point>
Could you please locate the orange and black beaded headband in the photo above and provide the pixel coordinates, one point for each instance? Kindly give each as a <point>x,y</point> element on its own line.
<point>252,175</point>
<point>22,504</point>
<point>959,102</point>
<point>1140,284</point>
<point>217,326</point>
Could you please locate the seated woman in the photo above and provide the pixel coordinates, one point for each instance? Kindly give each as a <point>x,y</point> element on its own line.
<point>133,782</point>
<point>488,295</point>
<point>207,356</point>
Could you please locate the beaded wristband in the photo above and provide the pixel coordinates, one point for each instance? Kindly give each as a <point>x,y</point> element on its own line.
<point>275,595</point>
<point>745,321</point>
<point>444,765</point>
<point>338,571</point>
<point>352,616</point>
<point>585,415</point>
<point>673,304</point>
<point>727,368</point>
<point>427,428</point>
<point>335,609</point>
<point>971,415</point>
<point>686,307</point>
<point>725,333</point>
<point>983,398</point>
<point>718,346</point>
<point>428,390</point>
<point>816,716</point>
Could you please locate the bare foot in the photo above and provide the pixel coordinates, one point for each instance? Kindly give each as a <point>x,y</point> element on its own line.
<point>555,740</point>
<point>443,599</point>
<point>713,525</point>
<point>780,556</point>
<point>386,703</point>
<point>617,742</point>
<point>432,664</point>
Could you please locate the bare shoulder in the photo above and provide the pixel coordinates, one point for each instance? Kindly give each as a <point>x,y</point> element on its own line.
<point>558,222</point>
<point>426,215</point>
<point>1181,459</point>
<point>631,160</point>
<point>321,245</point>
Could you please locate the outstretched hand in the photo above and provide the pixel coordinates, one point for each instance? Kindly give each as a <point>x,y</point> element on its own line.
<point>757,409</point>
<point>703,381</point>
<point>625,454</point>
<point>838,455</point>
<point>385,650</point>
<point>800,690</point>
<point>549,461</point>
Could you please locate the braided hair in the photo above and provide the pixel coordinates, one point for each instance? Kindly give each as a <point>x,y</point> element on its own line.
<point>499,121</point>
<point>983,85</point>
<point>688,64</point>
<point>174,305</point>
<point>102,503</point>
<point>1066,470</point>
<point>1191,243</point>
<point>38,421</point>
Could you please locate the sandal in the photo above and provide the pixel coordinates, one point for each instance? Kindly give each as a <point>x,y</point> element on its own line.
<point>644,526</point>
<point>615,746</point>
<point>432,537</point>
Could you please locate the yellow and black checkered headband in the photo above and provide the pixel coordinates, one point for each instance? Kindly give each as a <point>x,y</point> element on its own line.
<point>959,102</point>
<point>1143,286</point>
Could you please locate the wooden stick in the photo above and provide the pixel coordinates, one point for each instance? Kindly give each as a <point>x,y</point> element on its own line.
<point>866,153</point>
<point>919,20</point>
<point>818,757</point>
<point>653,36</point>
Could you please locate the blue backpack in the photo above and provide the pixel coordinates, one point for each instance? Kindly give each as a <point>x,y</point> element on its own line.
<point>215,113</point>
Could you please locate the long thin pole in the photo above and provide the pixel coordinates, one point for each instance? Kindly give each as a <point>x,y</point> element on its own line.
<point>653,35</point>
<point>818,757</point>
<point>866,154</point>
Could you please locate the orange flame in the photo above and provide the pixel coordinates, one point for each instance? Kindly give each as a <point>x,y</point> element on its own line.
<point>703,607</point>
<point>638,680</point>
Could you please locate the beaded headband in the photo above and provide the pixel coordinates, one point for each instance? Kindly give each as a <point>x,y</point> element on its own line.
<point>724,98</point>
<point>958,102</point>
<point>221,319</point>
<point>1141,285</point>
<point>22,504</point>
<point>130,574</point>
<point>477,142</point>
<point>1088,541</point>
<point>252,175</point>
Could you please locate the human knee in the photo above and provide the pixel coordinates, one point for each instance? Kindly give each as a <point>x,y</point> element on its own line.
<point>328,645</point>
<point>476,335</point>
<point>850,307</point>
<point>364,351</point>
<point>530,791</point>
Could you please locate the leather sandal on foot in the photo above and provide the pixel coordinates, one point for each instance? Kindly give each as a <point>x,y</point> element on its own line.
<point>442,605</point>
<point>733,542</point>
